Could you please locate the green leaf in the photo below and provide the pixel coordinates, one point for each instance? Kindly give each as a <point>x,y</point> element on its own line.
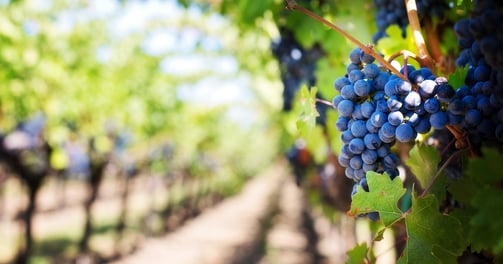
<point>423,162</point>
<point>307,111</point>
<point>457,79</point>
<point>480,190</point>
<point>383,197</point>
<point>358,254</point>
<point>431,236</point>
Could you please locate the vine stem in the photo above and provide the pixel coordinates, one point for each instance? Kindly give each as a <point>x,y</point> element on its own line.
<point>292,5</point>
<point>424,56</point>
<point>430,185</point>
<point>319,100</point>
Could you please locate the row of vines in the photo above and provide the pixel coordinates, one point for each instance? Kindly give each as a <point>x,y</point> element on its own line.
<point>83,102</point>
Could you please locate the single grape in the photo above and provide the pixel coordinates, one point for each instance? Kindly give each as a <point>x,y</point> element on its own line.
<point>345,108</point>
<point>405,133</point>
<point>432,105</point>
<point>348,92</point>
<point>358,128</point>
<point>356,146</point>
<point>369,156</point>
<point>362,88</point>
<point>356,162</point>
<point>367,109</point>
<point>340,82</point>
<point>438,120</point>
<point>395,118</point>
<point>372,141</point>
<point>371,71</point>
<point>427,88</point>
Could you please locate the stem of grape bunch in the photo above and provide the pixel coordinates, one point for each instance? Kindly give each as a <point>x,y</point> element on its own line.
<point>292,5</point>
<point>424,57</point>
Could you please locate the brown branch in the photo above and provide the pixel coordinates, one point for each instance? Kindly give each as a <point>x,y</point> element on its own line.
<point>292,5</point>
<point>433,42</point>
<point>319,100</point>
<point>415,26</point>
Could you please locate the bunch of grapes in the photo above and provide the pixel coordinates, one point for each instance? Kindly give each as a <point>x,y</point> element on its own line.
<point>297,65</point>
<point>477,106</point>
<point>392,12</point>
<point>377,108</point>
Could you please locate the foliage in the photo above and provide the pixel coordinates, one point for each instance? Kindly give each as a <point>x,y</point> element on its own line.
<point>449,208</point>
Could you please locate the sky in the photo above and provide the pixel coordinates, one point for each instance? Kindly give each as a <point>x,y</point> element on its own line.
<point>225,82</point>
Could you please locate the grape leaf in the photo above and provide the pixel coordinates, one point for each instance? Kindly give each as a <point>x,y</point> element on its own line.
<point>480,191</point>
<point>358,254</point>
<point>457,79</point>
<point>423,162</point>
<point>432,236</point>
<point>307,110</point>
<point>382,197</point>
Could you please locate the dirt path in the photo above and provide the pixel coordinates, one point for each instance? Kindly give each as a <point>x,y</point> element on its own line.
<point>288,240</point>
<point>226,233</point>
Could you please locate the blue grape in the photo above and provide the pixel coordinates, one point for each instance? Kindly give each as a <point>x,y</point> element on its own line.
<point>427,88</point>
<point>412,100</point>
<point>348,92</point>
<point>371,71</point>
<point>356,146</point>
<point>405,133</point>
<point>352,67</point>
<point>355,75</point>
<point>366,58</point>
<point>357,112</point>
<point>362,88</point>
<point>484,105</point>
<point>432,105</point>
<point>388,129</point>
<point>395,118</point>
<point>335,102</point>
<point>473,117</point>
<point>341,82</point>
<point>343,161</point>
<point>391,161</point>
<point>383,151</point>
<point>423,126</point>
<point>358,128</point>
<point>342,123</point>
<point>355,55</point>
<point>378,118</point>
<point>369,156</point>
<point>345,108</point>
<point>372,141</point>
<point>347,136</point>
<point>367,109</point>
<point>356,162</point>
<point>370,127</point>
<point>438,120</point>
<point>456,107</point>
<point>403,87</point>
<point>394,103</point>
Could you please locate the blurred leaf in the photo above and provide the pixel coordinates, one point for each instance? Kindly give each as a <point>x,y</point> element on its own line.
<point>307,111</point>
<point>358,255</point>
<point>457,79</point>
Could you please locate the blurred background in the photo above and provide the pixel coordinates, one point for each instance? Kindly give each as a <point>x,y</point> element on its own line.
<point>125,123</point>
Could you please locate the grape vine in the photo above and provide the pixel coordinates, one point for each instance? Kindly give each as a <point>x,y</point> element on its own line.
<point>378,106</point>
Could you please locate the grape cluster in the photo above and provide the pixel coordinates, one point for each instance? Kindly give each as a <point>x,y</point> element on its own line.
<point>297,65</point>
<point>477,106</point>
<point>390,12</point>
<point>377,108</point>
